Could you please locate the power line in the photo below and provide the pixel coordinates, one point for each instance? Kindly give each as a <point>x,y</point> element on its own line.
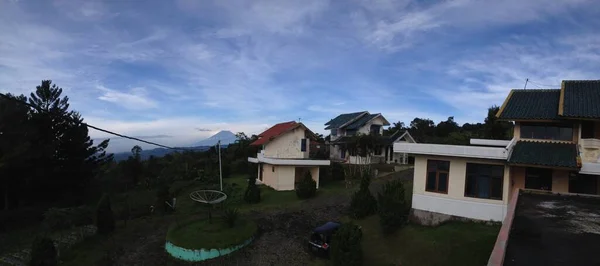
<point>90,126</point>
<point>544,84</point>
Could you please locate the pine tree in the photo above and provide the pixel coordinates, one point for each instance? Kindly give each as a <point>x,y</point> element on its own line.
<point>362,203</point>
<point>346,249</point>
<point>105,220</point>
<point>307,188</point>
<point>392,206</point>
<point>252,194</point>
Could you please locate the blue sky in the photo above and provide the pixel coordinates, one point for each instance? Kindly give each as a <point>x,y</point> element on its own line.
<point>178,71</point>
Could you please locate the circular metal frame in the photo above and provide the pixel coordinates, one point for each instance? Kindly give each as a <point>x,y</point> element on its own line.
<point>208,196</point>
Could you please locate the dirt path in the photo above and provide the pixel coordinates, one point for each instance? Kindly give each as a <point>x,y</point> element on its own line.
<point>281,239</point>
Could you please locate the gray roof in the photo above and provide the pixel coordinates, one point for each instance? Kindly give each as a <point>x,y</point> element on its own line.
<point>342,119</point>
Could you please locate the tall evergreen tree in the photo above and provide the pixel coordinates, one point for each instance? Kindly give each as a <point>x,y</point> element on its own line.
<point>67,158</point>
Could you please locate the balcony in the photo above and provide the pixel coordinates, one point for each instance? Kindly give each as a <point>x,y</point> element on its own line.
<point>590,151</point>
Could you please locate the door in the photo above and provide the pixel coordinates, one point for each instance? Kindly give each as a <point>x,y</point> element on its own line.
<point>538,178</point>
<point>584,184</point>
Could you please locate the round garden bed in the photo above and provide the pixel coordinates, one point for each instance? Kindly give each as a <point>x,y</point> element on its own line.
<point>199,240</point>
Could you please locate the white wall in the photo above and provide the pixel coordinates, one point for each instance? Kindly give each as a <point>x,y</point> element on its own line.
<point>455,202</point>
<point>377,121</point>
<point>288,145</point>
<point>285,177</point>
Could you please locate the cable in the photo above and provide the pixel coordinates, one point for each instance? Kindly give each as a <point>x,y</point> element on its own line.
<point>543,84</point>
<point>90,126</point>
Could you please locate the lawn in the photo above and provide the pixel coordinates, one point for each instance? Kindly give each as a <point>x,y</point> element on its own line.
<point>198,234</point>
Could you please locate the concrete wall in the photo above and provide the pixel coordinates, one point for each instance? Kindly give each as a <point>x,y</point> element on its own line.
<point>455,202</point>
<point>286,177</point>
<point>270,176</point>
<point>287,145</point>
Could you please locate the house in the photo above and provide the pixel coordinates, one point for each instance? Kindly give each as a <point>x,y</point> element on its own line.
<point>345,126</point>
<point>556,147</point>
<point>285,156</point>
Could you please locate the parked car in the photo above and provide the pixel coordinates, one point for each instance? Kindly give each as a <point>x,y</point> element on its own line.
<point>320,239</point>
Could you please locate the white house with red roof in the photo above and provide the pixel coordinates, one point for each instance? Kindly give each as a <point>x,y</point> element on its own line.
<point>285,156</point>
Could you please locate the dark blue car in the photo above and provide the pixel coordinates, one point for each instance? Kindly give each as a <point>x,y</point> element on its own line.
<point>320,238</point>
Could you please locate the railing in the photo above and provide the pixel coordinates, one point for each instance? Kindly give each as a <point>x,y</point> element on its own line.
<point>590,143</point>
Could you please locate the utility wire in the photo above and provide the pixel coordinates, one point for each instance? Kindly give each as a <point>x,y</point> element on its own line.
<point>544,85</point>
<point>90,126</point>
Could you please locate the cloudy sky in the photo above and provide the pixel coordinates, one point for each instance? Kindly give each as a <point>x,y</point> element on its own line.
<point>178,71</point>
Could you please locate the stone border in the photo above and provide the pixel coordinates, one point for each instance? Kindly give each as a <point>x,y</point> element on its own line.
<point>201,254</point>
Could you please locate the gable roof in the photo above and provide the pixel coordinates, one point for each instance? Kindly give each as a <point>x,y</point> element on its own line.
<point>580,99</point>
<point>530,104</point>
<point>365,119</point>
<point>343,119</point>
<point>551,154</point>
<point>276,131</point>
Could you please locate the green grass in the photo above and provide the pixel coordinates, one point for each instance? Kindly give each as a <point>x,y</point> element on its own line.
<point>456,243</point>
<point>198,234</point>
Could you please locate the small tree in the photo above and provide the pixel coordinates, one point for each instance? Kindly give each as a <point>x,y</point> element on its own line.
<point>230,216</point>
<point>162,197</point>
<point>105,220</point>
<point>363,203</point>
<point>346,248</point>
<point>307,188</point>
<point>392,206</point>
<point>43,252</point>
<point>252,194</point>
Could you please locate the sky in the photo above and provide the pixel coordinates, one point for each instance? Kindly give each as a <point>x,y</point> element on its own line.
<point>175,72</point>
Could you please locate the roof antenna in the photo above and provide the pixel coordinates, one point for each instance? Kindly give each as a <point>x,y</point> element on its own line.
<point>526,80</point>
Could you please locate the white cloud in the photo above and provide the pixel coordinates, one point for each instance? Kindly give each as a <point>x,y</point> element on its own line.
<point>136,99</point>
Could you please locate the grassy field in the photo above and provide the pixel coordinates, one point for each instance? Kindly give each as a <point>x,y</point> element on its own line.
<point>202,234</point>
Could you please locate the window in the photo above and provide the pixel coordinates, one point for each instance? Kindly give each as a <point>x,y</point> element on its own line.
<point>334,131</point>
<point>547,131</point>
<point>587,130</point>
<point>437,176</point>
<point>273,169</point>
<point>351,132</point>
<point>484,181</point>
<point>375,129</point>
<point>303,145</point>
<point>538,178</point>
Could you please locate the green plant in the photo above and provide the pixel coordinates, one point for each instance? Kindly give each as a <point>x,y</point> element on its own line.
<point>363,203</point>
<point>307,187</point>
<point>105,220</point>
<point>43,252</point>
<point>252,194</point>
<point>230,216</point>
<point>163,196</point>
<point>64,218</point>
<point>392,206</point>
<point>346,247</point>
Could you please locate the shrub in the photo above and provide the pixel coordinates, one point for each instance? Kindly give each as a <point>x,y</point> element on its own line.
<point>230,216</point>
<point>346,248</point>
<point>234,193</point>
<point>363,203</point>
<point>105,220</point>
<point>307,187</point>
<point>392,206</point>
<point>162,197</point>
<point>337,171</point>
<point>43,252</point>
<point>252,194</point>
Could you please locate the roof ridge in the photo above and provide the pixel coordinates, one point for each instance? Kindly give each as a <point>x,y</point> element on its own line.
<point>581,80</point>
<point>536,90</point>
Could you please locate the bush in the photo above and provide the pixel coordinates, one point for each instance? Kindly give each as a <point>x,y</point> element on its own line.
<point>337,172</point>
<point>105,220</point>
<point>230,216</point>
<point>307,187</point>
<point>234,193</point>
<point>363,203</point>
<point>252,194</point>
<point>43,252</point>
<point>392,206</point>
<point>346,248</point>
<point>65,218</point>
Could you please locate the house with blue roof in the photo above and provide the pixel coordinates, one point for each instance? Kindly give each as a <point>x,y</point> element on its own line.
<point>344,126</point>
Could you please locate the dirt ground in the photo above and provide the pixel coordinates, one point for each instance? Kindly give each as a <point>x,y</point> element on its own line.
<point>281,239</point>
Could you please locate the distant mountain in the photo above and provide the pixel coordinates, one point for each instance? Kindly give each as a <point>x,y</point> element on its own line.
<point>225,136</point>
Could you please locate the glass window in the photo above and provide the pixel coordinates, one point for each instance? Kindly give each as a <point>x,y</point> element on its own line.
<point>437,176</point>
<point>303,145</point>
<point>547,131</point>
<point>484,181</point>
<point>587,130</point>
<point>334,131</point>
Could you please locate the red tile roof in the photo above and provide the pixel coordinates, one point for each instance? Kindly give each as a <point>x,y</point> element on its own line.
<point>274,131</point>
